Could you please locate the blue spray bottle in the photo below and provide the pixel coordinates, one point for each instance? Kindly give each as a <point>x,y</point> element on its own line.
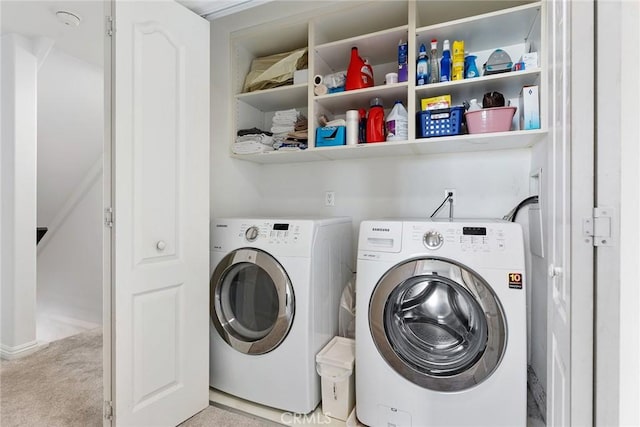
<point>445,63</point>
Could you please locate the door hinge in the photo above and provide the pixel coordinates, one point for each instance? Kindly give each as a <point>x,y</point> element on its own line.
<point>109,26</point>
<point>599,227</point>
<point>108,410</point>
<point>108,217</point>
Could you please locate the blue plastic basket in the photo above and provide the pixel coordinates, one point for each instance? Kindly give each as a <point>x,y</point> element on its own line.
<point>440,122</point>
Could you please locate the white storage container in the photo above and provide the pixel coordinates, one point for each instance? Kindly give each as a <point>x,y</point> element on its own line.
<point>334,364</point>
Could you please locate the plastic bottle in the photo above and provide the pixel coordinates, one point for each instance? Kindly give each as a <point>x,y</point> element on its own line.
<point>434,68</point>
<point>457,67</point>
<point>422,67</point>
<point>352,120</point>
<point>403,57</point>
<point>473,105</point>
<point>375,121</point>
<point>445,63</point>
<point>470,69</point>
<point>397,123</point>
<point>362,126</point>
<point>359,73</point>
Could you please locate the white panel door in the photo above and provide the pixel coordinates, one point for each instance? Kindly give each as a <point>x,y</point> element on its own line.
<point>559,296</point>
<point>161,213</point>
<point>570,297</point>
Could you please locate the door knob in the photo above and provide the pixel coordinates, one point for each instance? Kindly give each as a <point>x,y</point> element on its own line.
<point>161,245</point>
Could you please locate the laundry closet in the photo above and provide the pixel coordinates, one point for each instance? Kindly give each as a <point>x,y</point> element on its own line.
<point>490,173</point>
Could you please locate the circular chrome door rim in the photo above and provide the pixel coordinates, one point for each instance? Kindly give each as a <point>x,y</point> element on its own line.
<point>485,297</point>
<point>286,301</point>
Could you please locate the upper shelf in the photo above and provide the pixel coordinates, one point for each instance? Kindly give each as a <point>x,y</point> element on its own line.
<point>487,31</point>
<point>338,103</point>
<point>510,82</point>
<point>279,98</point>
<point>379,48</point>
<point>447,144</point>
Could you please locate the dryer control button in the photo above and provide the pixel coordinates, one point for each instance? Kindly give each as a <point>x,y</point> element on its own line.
<point>432,239</point>
<point>252,233</point>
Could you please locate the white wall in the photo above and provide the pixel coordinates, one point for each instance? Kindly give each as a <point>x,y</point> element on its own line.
<point>18,186</point>
<point>70,144</point>
<point>629,319</point>
<point>70,263</point>
<point>70,130</point>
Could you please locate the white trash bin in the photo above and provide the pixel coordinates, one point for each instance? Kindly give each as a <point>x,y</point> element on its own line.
<point>334,364</point>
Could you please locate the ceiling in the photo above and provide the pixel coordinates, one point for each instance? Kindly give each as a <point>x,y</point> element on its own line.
<point>37,18</point>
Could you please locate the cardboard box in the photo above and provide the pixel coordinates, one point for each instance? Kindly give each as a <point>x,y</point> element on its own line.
<point>435,102</point>
<point>529,107</point>
<point>329,136</point>
<point>530,60</point>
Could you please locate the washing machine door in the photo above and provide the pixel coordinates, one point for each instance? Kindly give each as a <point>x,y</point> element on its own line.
<point>438,324</point>
<point>252,301</point>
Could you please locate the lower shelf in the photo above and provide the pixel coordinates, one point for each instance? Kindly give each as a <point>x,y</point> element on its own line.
<point>446,144</point>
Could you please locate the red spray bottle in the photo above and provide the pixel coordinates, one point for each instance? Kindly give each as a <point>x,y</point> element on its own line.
<point>359,73</point>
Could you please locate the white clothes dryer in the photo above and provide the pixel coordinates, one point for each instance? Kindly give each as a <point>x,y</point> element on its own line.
<point>441,324</point>
<point>275,293</point>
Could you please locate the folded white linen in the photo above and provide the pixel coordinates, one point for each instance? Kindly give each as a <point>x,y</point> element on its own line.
<point>250,147</point>
<point>261,138</point>
<point>283,121</point>
<point>282,129</point>
<point>289,112</point>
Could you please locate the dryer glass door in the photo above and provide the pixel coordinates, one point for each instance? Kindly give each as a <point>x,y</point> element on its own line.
<point>252,301</point>
<point>438,323</point>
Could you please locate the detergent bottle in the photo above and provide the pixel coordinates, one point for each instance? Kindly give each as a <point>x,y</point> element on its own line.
<point>375,121</point>
<point>359,73</point>
<point>397,123</point>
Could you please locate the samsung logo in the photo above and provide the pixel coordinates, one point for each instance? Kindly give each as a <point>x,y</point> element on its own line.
<point>221,225</point>
<point>379,229</point>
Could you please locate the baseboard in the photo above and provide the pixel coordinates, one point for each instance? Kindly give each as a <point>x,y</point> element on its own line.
<point>70,321</point>
<point>16,352</point>
<point>537,391</point>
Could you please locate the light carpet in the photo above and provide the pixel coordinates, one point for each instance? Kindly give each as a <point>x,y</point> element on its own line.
<point>215,416</point>
<point>61,386</point>
<point>58,386</point>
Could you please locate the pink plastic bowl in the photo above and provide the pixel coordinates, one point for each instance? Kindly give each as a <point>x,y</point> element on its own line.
<point>497,119</point>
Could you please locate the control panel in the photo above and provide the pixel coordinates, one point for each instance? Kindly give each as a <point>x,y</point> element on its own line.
<point>270,232</point>
<point>466,238</point>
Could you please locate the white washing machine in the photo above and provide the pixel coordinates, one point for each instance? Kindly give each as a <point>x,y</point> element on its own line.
<point>275,293</point>
<point>441,324</point>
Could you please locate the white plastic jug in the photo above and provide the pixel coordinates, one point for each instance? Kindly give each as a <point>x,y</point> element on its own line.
<point>397,123</point>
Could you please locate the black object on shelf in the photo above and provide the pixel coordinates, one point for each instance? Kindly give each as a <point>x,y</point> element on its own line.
<point>40,232</point>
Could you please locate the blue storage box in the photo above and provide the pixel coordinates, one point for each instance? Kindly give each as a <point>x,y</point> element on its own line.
<point>440,122</point>
<point>330,136</point>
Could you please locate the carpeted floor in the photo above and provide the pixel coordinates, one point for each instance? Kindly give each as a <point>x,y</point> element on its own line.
<point>58,386</point>
<point>214,416</point>
<point>61,386</point>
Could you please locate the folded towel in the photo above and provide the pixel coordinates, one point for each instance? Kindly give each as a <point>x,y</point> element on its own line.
<point>283,122</point>
<point>282,129</point>
<point>288,113</point>
<point>250,147</point>
<point>252,131</point>
<point>261,138</point>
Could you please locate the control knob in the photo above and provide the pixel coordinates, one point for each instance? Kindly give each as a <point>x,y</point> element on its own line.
<point>432,239</point>
<point>252,233</point>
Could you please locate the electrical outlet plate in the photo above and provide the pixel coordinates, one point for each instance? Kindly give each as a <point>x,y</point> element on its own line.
<point>451,190</point>
<point>329,198</point>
